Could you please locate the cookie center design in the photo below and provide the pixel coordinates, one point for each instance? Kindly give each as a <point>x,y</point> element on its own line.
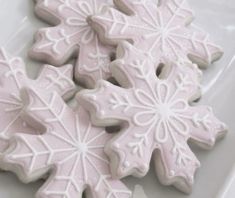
<point>164,111</point>
<point>81,12</point>
<point>163,32</point>
<point>82,147</point>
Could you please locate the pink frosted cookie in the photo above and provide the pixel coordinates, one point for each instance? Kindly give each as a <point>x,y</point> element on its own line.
<point>156,118</point>
<point>160,29</point>
<point>70,148</point>
<point>12,78</point>
<point>73,36</point>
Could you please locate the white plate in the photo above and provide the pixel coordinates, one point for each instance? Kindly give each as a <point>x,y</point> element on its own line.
<point>215,177</point>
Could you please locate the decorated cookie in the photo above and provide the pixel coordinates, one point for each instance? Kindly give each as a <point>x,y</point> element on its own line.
<point>73,36</point>
<point>162,30</point>
<point>70,148</point>
<point>12,78</point>
<point>156,117</point>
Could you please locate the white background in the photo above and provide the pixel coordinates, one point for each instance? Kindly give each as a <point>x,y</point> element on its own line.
<point>215,177</point>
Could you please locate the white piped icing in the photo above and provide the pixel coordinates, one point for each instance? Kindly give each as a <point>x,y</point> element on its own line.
<point>71,146</point>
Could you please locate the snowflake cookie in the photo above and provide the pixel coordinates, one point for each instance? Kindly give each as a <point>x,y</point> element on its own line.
<point>71,149</point>
<point>12,78</point>
<point>156,116</point>
<point>72,34</point>
<point>160,29</point>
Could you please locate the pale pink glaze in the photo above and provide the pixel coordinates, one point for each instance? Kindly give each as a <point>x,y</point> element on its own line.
<point>71,148</point>
<point>73,36</point>
<point>156,116</point>
<point>12,78</point>
<point>161,30</point>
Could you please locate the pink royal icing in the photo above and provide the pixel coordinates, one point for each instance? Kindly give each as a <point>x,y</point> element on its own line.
<point>12,78</point>
<point>156,116</point>
<point>162,30</point>
<point>71,34</point>
<point>71,148</point>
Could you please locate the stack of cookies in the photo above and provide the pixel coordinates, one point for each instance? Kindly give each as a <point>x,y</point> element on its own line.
<point>140,61</point>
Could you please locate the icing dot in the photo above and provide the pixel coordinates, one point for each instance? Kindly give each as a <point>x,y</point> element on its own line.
<point>105,84</point>
<point>82,147</point>
<point>93,98</point>
<point>164,111</point>
<point>116,146</point>
<point>126,164</point>
<point>144,167</point>
<point>172,173</point>
<point>102,112</point>
<point>24,124</point>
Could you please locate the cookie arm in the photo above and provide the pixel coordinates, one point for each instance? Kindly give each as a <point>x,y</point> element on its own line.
<point>130,152</point>
<point>28,156</point>
<point>107,103</point>
<point>48,11</point>
<point>114,26</point>
<point>206,128</point>
<point>48,111</point>
<point>188,41</point>
<point>61,184</point>
<point>12,71</point>
<point>35,154</point>
<point>184,79</point>
<point>128,22</point>
<point>176,165</point>
<point>93,62</point>
<point>202,50</point>
<point>11,108</point>
<point>55,45</point>
<point>133,68</point>
<point>57,79</point>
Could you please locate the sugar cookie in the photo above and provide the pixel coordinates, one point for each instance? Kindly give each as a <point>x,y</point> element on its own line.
<point>71,149</point>
<point>156,117</point>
